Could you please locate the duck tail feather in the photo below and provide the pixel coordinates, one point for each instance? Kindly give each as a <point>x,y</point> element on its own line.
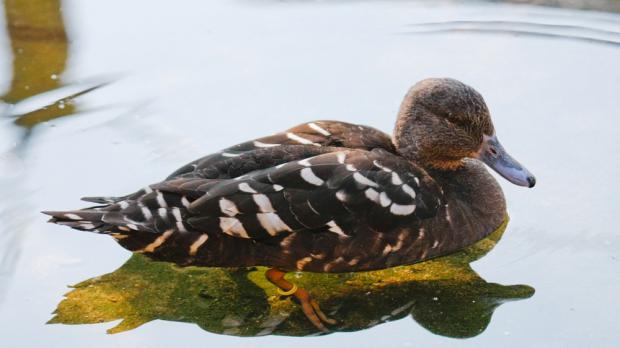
<point>84,220</point>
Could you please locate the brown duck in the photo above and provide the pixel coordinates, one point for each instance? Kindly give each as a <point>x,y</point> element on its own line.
<point>326,196</point>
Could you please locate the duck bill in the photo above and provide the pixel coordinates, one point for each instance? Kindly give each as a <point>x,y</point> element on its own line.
<point>493,154</point>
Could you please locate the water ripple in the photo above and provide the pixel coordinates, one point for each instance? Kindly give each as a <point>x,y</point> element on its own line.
<point>521,28</point>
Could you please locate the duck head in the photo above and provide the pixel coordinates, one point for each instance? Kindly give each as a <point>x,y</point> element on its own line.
<point>442,121</point>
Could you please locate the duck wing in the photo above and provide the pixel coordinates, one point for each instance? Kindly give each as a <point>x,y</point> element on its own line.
<point>332,192</point>
<point>349,182</point>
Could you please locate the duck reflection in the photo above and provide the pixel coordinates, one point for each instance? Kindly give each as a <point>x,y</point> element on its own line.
<point>444,295</point>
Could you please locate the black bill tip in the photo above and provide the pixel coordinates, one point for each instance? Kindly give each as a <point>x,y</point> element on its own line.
<point>531,181</point>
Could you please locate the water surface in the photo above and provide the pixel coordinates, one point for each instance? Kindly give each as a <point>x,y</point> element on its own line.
<point>103,98</point>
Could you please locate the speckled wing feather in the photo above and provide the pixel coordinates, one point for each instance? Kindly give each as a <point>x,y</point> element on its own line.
<point>332,192</point>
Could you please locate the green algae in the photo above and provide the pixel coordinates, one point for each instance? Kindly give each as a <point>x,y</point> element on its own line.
<point>443,295</point>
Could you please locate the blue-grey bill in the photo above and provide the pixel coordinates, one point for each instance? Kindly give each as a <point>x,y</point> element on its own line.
<point>495,156</point>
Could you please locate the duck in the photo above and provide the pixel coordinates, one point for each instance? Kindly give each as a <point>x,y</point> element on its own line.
<point>326,196</point>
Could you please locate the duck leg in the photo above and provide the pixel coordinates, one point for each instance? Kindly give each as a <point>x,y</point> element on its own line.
<point>308,305</point>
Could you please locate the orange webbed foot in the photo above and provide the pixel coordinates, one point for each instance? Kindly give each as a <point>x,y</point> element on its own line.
<point>309,306</point>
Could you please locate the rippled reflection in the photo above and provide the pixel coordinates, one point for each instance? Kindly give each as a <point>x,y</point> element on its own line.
<point>445,296</point>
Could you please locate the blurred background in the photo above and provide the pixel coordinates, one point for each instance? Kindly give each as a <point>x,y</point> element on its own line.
<point>101,98</point>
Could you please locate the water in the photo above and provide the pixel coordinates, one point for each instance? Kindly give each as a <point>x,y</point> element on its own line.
<point>103,98</point>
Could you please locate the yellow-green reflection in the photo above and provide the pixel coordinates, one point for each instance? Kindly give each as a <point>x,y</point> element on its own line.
<point>39,45</point>
<point>444,295</point>
<point>40,50</point>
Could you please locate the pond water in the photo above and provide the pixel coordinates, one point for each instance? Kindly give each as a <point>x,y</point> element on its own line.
<point>101,98</point>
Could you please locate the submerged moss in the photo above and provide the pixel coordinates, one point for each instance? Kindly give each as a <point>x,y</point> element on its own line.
<point>443,295</point>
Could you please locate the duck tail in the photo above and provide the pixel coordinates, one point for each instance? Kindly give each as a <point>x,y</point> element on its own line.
<point>105,218</point>
<point>89,219</point>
